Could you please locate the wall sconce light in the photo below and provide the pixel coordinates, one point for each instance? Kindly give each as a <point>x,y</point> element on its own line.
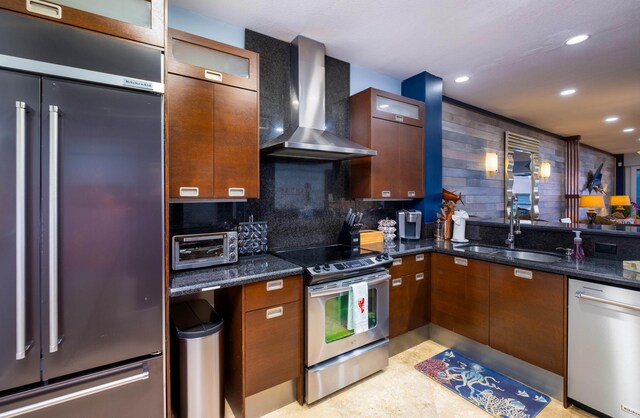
<point>491,162</point>
<point>545,170</point>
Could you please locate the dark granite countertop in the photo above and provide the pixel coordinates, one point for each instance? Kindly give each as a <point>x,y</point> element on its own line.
<point>592,269</point>
<point>246,270</point>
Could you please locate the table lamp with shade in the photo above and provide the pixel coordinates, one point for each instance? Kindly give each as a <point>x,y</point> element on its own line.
<point>591,202</point>
<point>619,202</point>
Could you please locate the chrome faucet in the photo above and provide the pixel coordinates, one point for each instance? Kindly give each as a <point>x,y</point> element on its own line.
<point>513,221</point>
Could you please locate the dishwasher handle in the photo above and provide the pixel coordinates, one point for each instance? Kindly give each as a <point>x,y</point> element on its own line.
<point>581,295</point>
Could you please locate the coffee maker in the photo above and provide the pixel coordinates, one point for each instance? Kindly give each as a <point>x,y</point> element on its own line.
<point>409,223</point>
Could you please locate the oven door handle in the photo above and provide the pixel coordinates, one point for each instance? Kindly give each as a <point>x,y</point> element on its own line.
<point>338,290</point>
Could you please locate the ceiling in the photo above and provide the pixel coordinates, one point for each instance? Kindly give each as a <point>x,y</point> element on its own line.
<point>513,52</point>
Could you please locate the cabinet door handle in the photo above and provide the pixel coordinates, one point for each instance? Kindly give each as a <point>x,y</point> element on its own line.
<point>274,285</point>
<point>399,118</point>
<point>20,228</point>
<point>44,8</point>
<point>386,193</point>
<point>411,193</point>
<point>419,276</point>
<point>189,191</point>
<point>397,262</point>
<point>525,274</point>
<point>53,229</point>
<point>212,75</point>
<point>236,191</point>
<point>275,312</point>
<point>461,261</point>
<point>419,257</point>
<point>396,282</point>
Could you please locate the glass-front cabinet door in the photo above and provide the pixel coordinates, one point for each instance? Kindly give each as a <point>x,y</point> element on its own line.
<point>396,108</point>
<point>336,325</point>
<point>138,20</point>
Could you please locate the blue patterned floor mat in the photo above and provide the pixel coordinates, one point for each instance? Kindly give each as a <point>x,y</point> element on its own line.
<point>491,391</point>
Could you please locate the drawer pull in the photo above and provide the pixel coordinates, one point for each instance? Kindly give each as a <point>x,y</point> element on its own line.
<point>461,261</point>
<point>420,257</point>
<point>396,282</point>
<point>275,285</point>
<point>189,191</point>
<point>411,193</point>
<point>386,193</point>
<point>212,75</point>
<point>397,262</point>
<point>236,191</point>
<point>399,118</point>
<point>44,8</point>
<point>275,312</point>
<point>419,276</point>
<point>525,274</point>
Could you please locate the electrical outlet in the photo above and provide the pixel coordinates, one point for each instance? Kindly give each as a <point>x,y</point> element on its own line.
<point>606,248</point>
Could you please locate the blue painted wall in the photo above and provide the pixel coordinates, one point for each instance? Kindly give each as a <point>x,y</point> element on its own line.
<point>428,88</point>
<point>362,78</point>
<point>206,27</point>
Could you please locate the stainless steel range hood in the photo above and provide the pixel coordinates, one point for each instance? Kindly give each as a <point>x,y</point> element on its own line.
<point>308,138</point>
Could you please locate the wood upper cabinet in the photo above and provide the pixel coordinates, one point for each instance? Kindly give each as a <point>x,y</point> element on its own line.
<point>393,126</point>
<point>263,338</point>
<point>137,20</point>
<point>528,315</point>
<point>409,294</point>
<point>460,296</point>
<point>212,120</point>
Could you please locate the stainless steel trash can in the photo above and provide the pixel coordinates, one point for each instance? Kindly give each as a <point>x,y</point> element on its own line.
<point>198,329</point>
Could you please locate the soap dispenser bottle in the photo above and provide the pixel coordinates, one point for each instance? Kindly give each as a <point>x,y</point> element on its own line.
<point>578,250</point>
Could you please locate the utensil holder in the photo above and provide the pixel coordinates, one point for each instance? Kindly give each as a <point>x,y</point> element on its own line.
<point>252,238</point>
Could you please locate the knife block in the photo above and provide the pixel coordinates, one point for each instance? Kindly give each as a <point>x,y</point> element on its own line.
<point>350,236</point>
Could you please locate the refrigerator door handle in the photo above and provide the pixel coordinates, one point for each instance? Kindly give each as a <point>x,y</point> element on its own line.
<point>53,229</point>
<point>75,395</point>
<point>21,111</point>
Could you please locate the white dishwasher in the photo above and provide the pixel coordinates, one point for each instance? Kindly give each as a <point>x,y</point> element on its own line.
<point>604,348</point>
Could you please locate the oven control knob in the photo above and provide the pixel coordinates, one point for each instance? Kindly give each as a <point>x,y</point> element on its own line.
<point>317,269</point>
<point>326,267</point>
<point>378,258</point>
<point>232,239</point>
<point>386,256</point>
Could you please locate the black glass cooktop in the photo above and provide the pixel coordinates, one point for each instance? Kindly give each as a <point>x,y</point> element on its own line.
<point>312,256</point>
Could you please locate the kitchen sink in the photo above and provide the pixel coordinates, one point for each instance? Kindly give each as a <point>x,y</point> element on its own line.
<point>529,256</point>
<point>505,252</point>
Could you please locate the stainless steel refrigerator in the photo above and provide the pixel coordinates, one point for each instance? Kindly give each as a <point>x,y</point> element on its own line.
<point>81,224</point>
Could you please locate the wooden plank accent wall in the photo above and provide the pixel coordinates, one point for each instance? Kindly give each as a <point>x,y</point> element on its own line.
<point>466,136</point>
<point>572,175</point>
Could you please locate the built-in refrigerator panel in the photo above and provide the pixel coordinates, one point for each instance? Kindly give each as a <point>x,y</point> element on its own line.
<point>108,231</point>
<point>19,123</point>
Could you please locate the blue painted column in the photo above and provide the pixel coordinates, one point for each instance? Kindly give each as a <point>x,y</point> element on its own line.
<point>620,189</point>
<point>428,89</point>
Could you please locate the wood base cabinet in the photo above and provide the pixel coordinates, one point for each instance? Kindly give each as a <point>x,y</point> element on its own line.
<point>460,296</point>
<point>409,294</point>
<point>393,126</point>
<point>263,338</point>
<point>212,120</point>
<point>528,315</point>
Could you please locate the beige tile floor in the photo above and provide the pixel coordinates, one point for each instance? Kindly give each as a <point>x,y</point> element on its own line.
<point>402,391</point>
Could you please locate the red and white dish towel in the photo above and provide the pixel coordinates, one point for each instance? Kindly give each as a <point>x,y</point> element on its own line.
<point>358,316</point>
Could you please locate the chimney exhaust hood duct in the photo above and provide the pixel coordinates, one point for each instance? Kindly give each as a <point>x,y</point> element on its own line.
<point>309,139</point>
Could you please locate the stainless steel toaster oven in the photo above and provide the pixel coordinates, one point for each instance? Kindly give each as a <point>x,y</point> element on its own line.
<point>203,250</point>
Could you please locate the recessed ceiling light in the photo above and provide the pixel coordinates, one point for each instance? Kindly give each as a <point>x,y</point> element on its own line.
<point>628,130</point>
<point>611,119</point>
<point>577,39</point>
<point>567,92</point>
<point>462,79</point>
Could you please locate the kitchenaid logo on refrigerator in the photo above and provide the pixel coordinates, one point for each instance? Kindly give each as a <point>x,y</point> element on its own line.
<point>138,84</point>
<point>630,410</point>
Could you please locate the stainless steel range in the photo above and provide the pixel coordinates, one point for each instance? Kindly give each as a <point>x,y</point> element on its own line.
<point>335,356</point>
